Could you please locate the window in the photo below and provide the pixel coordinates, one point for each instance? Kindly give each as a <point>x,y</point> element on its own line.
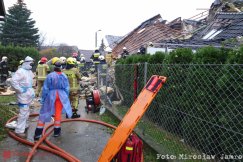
<point>212,34</point>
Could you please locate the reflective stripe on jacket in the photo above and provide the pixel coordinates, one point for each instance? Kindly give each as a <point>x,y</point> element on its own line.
<point>73,77</point>
<point>42,70</point>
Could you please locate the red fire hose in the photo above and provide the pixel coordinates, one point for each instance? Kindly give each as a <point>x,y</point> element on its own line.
<point>52,148</point>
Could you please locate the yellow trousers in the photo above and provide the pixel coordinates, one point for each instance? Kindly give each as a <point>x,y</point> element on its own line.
<point>39,87</point>
<point>74,97</point>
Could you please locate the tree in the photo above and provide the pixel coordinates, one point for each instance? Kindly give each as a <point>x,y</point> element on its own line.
<point>18,29</point>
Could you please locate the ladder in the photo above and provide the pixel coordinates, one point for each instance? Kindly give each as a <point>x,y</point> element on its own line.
<point>131,118</point>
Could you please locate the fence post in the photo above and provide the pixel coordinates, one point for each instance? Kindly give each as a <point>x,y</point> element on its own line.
<point>145,72</point>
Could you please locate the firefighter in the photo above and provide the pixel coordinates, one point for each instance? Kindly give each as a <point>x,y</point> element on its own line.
<point>95,58</point>
<point>108,57</point>
<point>82,63</point>
<point>74,77</point>
<point>4,70</point>
<point>22,83</point>
<point>102,69</point>
<point>41,72</point>
<point>54,100</point>
<point>125,53</point>
<point>75,55</point>
<point>63,62</point>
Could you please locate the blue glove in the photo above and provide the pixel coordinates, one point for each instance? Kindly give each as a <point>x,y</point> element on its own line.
<point>24,89</point>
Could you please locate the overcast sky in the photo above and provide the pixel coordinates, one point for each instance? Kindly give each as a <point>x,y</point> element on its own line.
<point>75,22</point>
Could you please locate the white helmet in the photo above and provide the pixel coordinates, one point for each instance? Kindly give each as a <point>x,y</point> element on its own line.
<point>101,57</point>
<point>75,60</point>
<point>124,48</point>
<point>81,55</point>
<point>63,60</point>
<point>82,59</point>
<point>4,58</point>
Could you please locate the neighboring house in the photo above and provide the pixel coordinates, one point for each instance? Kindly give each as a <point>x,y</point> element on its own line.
<point>87,54</point>
<point>112,40</point>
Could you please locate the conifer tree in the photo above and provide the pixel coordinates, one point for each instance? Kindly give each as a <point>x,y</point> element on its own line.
<point>18,28</point>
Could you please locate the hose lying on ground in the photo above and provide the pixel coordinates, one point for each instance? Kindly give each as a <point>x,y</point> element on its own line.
<point>52,148</point>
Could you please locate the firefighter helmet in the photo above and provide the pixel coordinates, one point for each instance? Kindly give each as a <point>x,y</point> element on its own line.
<point>82,59</point>
<point>75,54</point>
<point>4,58</point>
<point>101,57</point>
<point>21,62</point>
<point>63,60</point>
<point>43,59</point>
<point>54,60</point>
<point>70,61</point>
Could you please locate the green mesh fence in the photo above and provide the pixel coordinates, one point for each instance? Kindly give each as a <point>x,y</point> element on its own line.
<point>199,111</point>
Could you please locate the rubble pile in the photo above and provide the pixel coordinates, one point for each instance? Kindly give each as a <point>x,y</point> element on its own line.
<point>87,85</point>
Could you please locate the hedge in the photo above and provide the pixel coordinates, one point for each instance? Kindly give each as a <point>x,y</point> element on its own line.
<point>15,54</point>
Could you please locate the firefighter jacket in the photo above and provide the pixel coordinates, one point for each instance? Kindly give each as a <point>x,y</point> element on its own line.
<point>82,64</point>
<point>42,71</point>
<point>103,68</point>
<point>4,69</point>
<point>74,77</point>
<point>95,58</point>
<point>108,58</point>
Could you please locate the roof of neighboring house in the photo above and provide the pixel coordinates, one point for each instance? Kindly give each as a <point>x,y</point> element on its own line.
<point>113,40</point>
<point>87,54</point>
<point>223,26</point>
<point>2,10</point>
<point>151,30</point>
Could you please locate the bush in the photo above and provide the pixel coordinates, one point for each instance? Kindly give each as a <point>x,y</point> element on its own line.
<point>157,58</point>
<point>180,56</point>
<point>15,54</point>
<point>210,55</point>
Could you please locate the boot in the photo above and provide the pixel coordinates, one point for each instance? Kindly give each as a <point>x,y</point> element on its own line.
<point>57,132</point>
<point>38,133</point>
<point>75,114</point>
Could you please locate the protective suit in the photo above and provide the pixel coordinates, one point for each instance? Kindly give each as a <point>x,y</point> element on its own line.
<point>55,100</point>
<point>22,82</point>
<point>54,83</point>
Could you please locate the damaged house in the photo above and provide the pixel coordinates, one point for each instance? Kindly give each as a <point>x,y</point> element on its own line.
<point>151,30</point>
<point>224,29</point>
<point>222,22</point>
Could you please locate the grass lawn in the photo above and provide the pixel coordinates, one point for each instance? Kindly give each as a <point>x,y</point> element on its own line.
<point>168,141</point>
<point>6,111</point>
<point>149,154</point>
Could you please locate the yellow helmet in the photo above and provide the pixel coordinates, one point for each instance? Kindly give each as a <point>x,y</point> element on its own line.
<point>54,60</point>
<point>70,61</point>
<point>21,62</point>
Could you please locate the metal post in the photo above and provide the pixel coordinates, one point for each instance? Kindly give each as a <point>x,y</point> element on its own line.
<point>145,72</point>
<point>96,37</point>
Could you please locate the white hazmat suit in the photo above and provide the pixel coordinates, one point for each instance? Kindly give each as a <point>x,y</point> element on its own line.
<point>22,83</point>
